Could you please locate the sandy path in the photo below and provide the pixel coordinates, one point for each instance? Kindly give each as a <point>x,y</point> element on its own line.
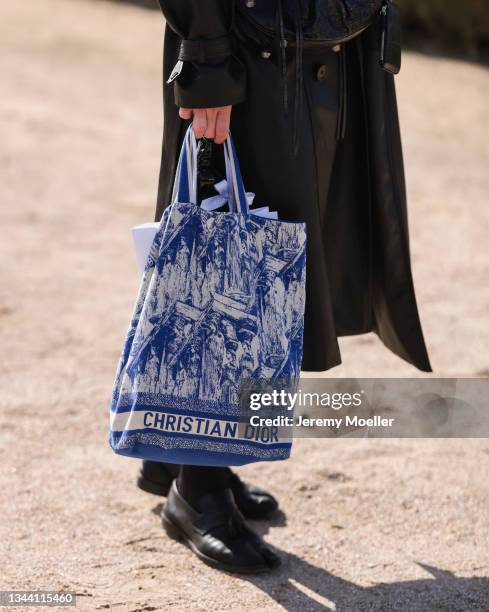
<point>370,525</point>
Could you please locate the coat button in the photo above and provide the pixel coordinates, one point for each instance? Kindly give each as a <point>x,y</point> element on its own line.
<point>322,72</point>
<point>337,48</point>
<point>266,54</point>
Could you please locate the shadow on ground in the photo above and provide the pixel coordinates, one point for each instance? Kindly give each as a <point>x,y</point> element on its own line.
<point>300,585</point>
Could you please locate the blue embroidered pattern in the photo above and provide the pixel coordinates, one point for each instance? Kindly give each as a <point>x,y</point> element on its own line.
<point>222,297</point>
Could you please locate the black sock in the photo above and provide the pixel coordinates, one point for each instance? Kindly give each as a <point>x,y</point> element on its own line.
<point>172,468</point>
<point>154,470</point>
<point>194,482</point>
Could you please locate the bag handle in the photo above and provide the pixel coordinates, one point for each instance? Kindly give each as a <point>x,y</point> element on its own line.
<point>234,178</point>
<point>185,184</point>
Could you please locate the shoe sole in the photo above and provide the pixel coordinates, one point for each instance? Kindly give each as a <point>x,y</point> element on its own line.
<point>175,533</point>
<point>152,487</point>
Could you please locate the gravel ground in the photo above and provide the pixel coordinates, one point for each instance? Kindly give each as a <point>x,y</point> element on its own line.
<point>366,524</point>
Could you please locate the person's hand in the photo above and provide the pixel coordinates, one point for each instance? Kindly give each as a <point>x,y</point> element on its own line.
<point>211,123</point>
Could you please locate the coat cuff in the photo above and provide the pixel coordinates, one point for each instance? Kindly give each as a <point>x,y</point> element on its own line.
<point>208,74</point>
<point>210,85</point>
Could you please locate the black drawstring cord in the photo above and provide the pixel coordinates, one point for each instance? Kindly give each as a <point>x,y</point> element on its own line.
<point>299,47</point>
<point>299,74</point>
<point>282,53</point>
<point>342,95</point>
<point>299,42</point>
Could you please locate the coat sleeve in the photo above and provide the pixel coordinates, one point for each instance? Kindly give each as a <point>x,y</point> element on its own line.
<point>207,73</point>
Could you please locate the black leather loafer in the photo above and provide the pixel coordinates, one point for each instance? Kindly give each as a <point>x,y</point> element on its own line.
<point>154,478</point>
<point>254,503</point>
<point>217,533</point>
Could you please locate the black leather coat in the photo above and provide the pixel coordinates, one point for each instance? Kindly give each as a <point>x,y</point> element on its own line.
<point>349,188</point>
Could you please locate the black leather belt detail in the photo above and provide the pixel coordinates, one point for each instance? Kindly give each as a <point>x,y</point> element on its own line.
<point>204,50</point>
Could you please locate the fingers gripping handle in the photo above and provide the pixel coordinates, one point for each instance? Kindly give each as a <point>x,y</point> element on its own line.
<point>185,184</point>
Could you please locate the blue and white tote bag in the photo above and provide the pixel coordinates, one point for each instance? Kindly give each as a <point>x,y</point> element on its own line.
<point>221,299</point>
